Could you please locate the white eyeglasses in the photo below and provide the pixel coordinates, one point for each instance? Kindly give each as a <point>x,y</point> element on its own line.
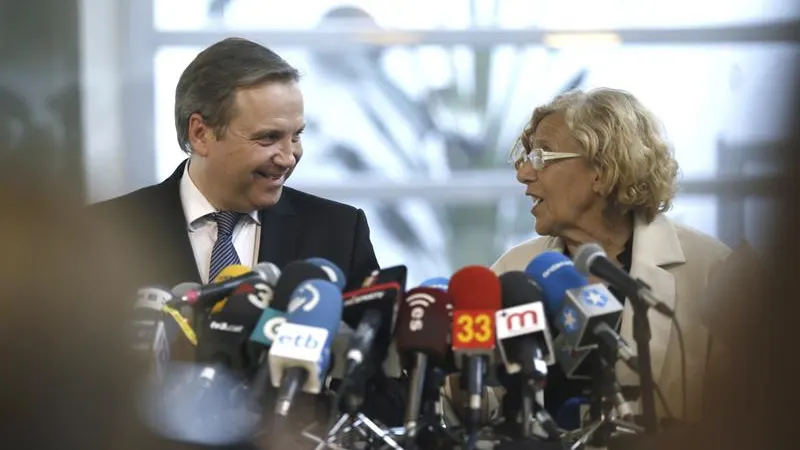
<point>537,157</point>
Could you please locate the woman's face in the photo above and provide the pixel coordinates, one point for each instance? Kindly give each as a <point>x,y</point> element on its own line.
<point>564,192</point>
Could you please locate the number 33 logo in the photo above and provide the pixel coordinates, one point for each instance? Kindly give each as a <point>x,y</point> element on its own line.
<point>477,328</point>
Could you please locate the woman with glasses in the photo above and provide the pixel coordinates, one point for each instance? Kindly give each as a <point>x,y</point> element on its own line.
<point>598,169</point>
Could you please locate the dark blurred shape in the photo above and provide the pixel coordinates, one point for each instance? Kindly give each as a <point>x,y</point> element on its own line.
<point>66,377</point>
<point>40,107</point>
<point>216,8</point>
<point>752,312</point>
<point>575,82</point>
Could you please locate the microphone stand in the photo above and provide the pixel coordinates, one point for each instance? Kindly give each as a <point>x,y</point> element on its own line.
<point>642,335</point>
<point>352,420</point>
<point>433,430</point>
<point>606,398</point>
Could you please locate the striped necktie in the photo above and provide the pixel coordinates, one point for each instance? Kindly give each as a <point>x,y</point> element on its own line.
<point>223,254</point>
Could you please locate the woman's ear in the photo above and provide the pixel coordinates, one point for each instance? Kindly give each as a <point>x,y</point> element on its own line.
<point>598,186</point>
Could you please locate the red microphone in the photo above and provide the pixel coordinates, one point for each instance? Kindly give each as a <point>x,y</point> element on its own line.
<point>476,297</point>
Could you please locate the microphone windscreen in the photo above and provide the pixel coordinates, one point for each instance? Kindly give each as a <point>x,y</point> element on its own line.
<point>234,270</point>
<point>316,303</point>
<point>151,298</point>
<point>423,323</point>
<point>554,273</point>
<point>179,291</point>
<point>269,271</point>
<point>437,282</point>
<point>305,339</point>
<point>294,274</point>
<point>585,254</point>
<point>182,288</point>
<point>335,274</point>
<point>475,288</point>
<point>518,289</point>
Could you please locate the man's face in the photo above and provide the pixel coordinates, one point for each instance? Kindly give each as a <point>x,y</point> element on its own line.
<point>244,169</point>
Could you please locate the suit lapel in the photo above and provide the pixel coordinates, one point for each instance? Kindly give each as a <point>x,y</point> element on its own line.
<point>281,231</point>
<point>175,233</point>
<point>655,246</point>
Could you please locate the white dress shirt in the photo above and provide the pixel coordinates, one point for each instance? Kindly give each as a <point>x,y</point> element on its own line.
<point>202,229</point>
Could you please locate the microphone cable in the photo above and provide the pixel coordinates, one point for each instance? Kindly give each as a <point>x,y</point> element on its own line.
<point>183,324</point>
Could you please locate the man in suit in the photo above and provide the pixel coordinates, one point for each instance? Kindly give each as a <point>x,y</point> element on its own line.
<point>239,117</point>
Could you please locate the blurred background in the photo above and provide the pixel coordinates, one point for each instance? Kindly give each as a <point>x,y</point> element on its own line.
<point>413,105</point>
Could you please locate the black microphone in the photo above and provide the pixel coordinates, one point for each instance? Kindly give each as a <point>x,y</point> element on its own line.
<point>526,346</point>
<point>592,259</point>
<point>421,336</point>
<point>224,334</point>
<point>211,293</point>
<point>370,312</point>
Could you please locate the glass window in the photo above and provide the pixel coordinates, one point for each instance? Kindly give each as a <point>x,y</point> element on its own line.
<point>439,116</point>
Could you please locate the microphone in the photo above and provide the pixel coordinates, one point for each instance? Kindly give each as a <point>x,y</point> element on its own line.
<point>476,298</point>
<point>221,349</point>
<point>522,330</point>
<point>228,280</point>
<point>153,334</point>
<point>370,311</point>
<point>266,329</point>
<point>526,346</point>
<point>588,315</point>
<point>294,274</point>
<point>437,283</point>
<point>300,354</point>
<point>335,274</point>
<point>592,259</point>
<point>394,274</point>
<point>421,333</point>
<point>225,333</point>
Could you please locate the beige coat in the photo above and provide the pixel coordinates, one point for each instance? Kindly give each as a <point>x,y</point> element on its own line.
<point>676,261</point>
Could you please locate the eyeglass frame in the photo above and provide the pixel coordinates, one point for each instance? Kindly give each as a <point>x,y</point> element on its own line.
<point>538,157</point>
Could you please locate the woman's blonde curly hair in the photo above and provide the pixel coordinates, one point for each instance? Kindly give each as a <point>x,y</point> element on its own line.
<point>624,140</point>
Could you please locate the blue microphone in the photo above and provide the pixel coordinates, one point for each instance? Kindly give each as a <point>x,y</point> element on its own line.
<point>550,271</point>
<point>586,314</point>
<point>580,308</point>
<point>301,351</point>
<point>335,274</point>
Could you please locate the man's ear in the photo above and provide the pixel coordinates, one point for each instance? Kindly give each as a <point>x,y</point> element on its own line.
<point>200,135</point>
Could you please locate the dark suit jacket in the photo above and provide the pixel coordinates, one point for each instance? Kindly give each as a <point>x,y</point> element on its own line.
<point>299,226</point>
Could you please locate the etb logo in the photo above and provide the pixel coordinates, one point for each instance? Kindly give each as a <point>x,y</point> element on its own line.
<point>519,320</point>
<point>301,342</point>
<point>473,329</point>
<point>418,303</point>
